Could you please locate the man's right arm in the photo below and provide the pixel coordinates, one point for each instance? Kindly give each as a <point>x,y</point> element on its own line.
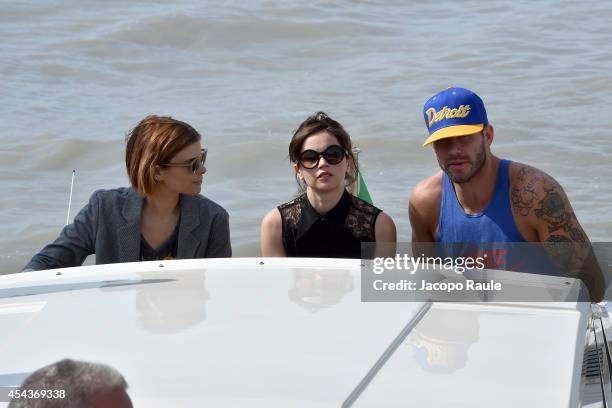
<point>424,209</point>
<point>424,212</point>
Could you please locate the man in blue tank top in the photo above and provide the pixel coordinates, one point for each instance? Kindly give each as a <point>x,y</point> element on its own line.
<point>478,197</point>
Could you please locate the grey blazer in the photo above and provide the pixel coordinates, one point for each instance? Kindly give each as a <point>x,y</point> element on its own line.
<point>109,226</point>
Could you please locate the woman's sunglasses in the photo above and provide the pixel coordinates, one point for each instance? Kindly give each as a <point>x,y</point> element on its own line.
<point>193,164</point>
<point>309,159</point>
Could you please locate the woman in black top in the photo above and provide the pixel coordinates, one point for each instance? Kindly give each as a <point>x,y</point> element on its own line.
<point>325,220</point>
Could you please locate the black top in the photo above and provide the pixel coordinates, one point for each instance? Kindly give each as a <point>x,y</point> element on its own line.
<point>337,234</point>
<point>167,251</point>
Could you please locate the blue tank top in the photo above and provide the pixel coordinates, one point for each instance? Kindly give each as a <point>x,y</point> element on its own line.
<point>494,224</point>
<point>464,233</point>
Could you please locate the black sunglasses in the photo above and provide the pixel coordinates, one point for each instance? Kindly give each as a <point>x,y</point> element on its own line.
<point>193,164</point>
<point>309,159</point>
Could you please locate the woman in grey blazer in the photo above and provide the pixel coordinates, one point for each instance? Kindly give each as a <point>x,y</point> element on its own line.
<point>162,216</point>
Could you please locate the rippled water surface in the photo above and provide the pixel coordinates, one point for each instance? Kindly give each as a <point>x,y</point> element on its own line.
<point>76,76</point>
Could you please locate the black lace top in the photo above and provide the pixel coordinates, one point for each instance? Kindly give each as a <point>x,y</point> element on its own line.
<point>337,234</point>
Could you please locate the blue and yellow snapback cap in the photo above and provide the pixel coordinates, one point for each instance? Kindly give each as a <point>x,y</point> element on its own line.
<point>453,112</point>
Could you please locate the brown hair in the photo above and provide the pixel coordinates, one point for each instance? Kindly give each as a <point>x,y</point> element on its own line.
<point>155,140</point>
<point>320,122</point>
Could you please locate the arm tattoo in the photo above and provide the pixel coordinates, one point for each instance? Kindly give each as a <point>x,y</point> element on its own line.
<point>559,248</point>
<point>524,173</point>
<point>524,195</point>
<point>554,212</point>
<point>523,200</point>
<point>566,243</point>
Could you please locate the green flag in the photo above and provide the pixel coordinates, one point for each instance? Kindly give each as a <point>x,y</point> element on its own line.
<point>364,194</point>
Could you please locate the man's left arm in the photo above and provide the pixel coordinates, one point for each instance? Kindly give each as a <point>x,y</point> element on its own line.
<point>539,197</point>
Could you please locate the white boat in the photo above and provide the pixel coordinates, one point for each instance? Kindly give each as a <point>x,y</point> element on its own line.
<point>291,332</point>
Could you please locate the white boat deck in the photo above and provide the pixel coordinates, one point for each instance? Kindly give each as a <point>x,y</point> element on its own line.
<point>287,333</point>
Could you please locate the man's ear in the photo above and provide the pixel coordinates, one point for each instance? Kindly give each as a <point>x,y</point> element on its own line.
<point>489,133</point>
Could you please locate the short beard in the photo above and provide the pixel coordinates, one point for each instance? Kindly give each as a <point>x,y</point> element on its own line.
<point>481,158</point>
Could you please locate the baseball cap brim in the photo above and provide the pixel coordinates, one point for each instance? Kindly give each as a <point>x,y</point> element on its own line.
<point>453,131</point>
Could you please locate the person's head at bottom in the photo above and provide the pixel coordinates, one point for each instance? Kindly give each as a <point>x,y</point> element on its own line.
<point>82,384</point>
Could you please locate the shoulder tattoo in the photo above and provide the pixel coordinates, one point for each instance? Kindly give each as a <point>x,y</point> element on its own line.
<point>524,196</point>
<point>537,192</point>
